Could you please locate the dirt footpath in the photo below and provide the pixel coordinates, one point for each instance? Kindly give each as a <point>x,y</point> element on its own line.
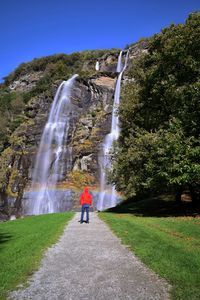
<point>90,263</point>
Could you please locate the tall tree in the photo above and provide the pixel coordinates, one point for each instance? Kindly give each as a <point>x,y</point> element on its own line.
<point>160,115</point>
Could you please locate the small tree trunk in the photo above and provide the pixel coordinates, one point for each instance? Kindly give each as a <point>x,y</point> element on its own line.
<point>193,195</point>
<point>178,194</point>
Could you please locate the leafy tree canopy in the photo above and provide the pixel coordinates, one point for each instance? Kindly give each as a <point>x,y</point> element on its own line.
<point>160,115</point>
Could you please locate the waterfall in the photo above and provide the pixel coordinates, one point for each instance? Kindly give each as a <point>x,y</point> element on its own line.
<point>97,66</point>
<point>119,63</point>
<point>48,169</point>
<point>108,195</point>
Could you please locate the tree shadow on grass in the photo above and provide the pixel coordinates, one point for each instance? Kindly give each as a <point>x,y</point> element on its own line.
<point>4,237</point>
<point>160,206</point>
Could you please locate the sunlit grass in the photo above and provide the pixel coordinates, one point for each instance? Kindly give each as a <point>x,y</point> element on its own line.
<point>22,244</point>
<point>168,245</point>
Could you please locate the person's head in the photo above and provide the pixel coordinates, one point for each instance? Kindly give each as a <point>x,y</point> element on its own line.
<point>86,189</point>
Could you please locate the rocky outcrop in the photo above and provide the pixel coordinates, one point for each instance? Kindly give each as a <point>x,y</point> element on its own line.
<point>92,98</point>
<point>107,63</point>
<point>26,83</point>
<point>136,50</point>
<point>105,81</point>
<point>95,104</point>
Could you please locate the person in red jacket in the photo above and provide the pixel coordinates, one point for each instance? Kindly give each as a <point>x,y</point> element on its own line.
<point>86,202</point>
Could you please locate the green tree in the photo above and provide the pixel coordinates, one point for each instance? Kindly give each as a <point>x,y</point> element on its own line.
<point>160,112</point>
<point>157,161</point>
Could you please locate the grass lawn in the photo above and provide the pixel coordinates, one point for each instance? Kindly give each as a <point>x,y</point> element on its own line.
<point>168,245</point>
<point>22,244</point>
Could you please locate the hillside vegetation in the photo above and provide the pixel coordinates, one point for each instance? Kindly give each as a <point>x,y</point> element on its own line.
<point>159,147</point>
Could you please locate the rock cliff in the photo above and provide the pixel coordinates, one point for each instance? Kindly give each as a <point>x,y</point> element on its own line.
<point>92,97</point>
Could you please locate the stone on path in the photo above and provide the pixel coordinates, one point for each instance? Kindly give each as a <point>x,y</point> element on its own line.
<point>90,263</point>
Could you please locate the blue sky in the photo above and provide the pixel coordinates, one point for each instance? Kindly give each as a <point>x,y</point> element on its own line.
<point>35,28</point>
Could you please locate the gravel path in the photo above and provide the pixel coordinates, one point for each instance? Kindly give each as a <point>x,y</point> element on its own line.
<point>90,263</point>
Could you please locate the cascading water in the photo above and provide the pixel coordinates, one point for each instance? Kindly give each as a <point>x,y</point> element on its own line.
<point>108,195</point>
<point>97,66</point>
<point>49,168</point>
<point>119,63</point>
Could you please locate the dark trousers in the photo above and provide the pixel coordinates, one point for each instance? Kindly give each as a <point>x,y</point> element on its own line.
<point>85,207</point>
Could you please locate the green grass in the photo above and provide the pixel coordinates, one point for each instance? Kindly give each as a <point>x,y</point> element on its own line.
<point>22,244</point>
<point>168,245</point>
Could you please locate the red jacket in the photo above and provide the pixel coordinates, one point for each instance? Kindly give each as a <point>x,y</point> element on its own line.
<point>85,197</point>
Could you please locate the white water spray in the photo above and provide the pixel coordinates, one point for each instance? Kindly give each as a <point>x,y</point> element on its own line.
<point>119,63</point>
<point>48,170</point>
<point>108,195</point>
<point>97,66</point>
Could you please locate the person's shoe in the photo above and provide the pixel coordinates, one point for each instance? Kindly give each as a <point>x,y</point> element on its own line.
<point>87,222</point>
<point>81,222</point>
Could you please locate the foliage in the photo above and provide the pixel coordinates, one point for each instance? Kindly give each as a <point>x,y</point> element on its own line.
<point>9,172</point>
<point>84,146</point>
<point>160,113</point>
<point>156,161</point>
<point>45,64</point>
<point>11,107</point>
<point>5,165</point>
<point>22,244</point>
<point>95,54</point>
<point>14,174</point>
<point>40,64</point>
<point>80,178</point>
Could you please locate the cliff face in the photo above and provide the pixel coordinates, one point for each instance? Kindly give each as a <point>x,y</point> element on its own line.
<point>92,98</point>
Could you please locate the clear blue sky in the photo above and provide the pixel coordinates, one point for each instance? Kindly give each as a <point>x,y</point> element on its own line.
<point>35,28</point>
